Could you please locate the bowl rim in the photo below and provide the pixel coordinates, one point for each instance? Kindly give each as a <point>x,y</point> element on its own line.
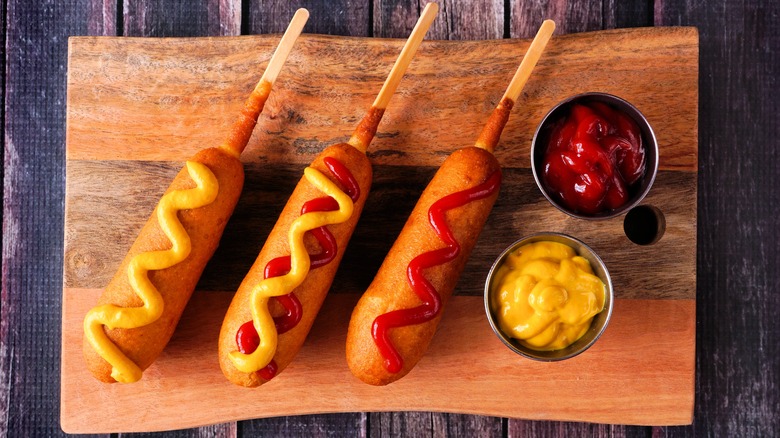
<point>646,129</point>
<point>577,347</point>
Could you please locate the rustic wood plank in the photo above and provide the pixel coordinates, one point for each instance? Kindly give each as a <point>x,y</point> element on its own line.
<point>434,424</point>
<point>101,226</point>
<point>6,307</point>
<point>214,431</point>
<point>315,426</point>
<point>102,17</point>
<point>566,429</point>
<point>571,16</point>
<point>168,83</point>
<point>456,20</point>
<point>738,366</point>
<point>35,35</point>
<point>33,115</point>
<point>636,373</point>
<point>224,17</point>
<point>619,14</point>
<point>160,18</point>
<point>332,17</point>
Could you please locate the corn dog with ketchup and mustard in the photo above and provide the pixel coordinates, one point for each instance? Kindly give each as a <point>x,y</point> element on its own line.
<point>396,318</point>
<point>138,311</point>
<point>273,310</point>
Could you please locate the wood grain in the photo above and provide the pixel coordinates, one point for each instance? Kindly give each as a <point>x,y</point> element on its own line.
<point>332,17</point>
<point>738,388</point>
<point>737,392</point>
<point>316,102</point>
<point>571,15</point>
<point>435,424</point>
<point>33,194</point>
<point>637,373</point>
<point>101,227</point>
<point>102,17</point>
<point>100,223</point>
<point>154,18</point>
<point>456,20</point>
<point>314,425</point>
<point>150,18</point>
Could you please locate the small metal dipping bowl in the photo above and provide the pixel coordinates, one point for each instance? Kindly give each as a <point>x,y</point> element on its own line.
<point>540,140</point>
<point>599,322</point>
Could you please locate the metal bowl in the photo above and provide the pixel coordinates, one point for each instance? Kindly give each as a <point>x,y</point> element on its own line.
<point>599,322</point>
<point>539,146</point>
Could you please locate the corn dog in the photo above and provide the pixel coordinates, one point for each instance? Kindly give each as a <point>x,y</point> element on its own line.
<point>139,309</point>
<point>273,310</point>
<point>396,318</point>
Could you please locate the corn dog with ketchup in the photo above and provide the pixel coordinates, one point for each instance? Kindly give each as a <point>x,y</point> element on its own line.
<point>395,320</point>
<point>139,309</point>
<point>275,306</point>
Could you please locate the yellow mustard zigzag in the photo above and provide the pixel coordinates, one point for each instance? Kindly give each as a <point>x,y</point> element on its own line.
<point>123,369</point>
<point>299,268</point>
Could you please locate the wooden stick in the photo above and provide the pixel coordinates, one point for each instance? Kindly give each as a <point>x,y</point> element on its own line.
<point>242,128</point>
<point>407,53</point>
<point>529,61</point>
<point>488,138</point>
<point>366,130</point>
<point>279,57</point>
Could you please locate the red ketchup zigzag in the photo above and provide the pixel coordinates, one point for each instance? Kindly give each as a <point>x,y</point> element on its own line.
<point>247,338</point>
<point>422,287</point>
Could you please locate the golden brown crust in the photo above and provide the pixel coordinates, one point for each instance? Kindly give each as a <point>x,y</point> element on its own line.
<point>390,289</point>
<point>313,290</point>
<point>176,284</point>
<point>366,130</point>
<point>241,131</point>
<point>488,138</point>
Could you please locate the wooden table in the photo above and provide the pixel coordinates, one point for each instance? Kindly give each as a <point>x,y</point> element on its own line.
<point>737,349</point>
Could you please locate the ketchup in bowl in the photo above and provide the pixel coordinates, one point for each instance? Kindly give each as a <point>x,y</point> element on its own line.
<point>594,156</point>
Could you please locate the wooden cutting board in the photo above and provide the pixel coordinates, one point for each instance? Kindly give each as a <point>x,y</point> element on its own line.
<point>137,108</point>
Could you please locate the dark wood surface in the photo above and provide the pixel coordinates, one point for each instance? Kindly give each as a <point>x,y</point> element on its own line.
<point>738,359</point>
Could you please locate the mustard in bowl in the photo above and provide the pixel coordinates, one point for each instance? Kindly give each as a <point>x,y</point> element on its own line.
<point>548,297</point>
